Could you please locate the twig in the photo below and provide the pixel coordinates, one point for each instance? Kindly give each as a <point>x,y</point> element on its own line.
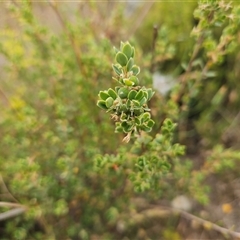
<point>18,209</point>
<point>208,224</point>
<point>6,189</point>
<point>195,52</point>
<point>154,40</point>
<point>156,212</point>
<point>12,213</point>
<point>9,204</point>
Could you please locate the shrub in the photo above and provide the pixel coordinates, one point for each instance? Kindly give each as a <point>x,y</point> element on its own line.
<point>60,157</point>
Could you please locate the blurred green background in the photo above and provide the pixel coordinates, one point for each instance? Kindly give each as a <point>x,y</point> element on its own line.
<point>55,57</point>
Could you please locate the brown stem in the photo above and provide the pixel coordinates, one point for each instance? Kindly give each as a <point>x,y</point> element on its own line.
<point>155,35</point>
<point>160,212</point>
<point>4,186</point>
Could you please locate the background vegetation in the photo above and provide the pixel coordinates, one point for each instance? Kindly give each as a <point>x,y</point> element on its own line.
<point>65,174</point>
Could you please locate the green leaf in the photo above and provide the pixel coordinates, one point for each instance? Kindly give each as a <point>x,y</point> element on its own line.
<point>127,82</point>
<point>127,50</point>
<point>123,117</point>
<point>145,94</point>
<point>143,100</point>
<point>133,52</point>
<point>146,128</point>
<point>117,88</point>
<point>118,129</point>
<point>116,70</point>
<point>150,123</point>
<point>132,94</point>
<point>150,93</point>
<point>168,123</point>
<point>138,112</point>
<point>112,93</point>
<point>103,95</point>
<point>123,108</point>
<point>115,50</point>
<point>130,64</point>
<point>135,69</point>
<point>139,95</point>
<point>109,102</point>
<point>135,80</point>
<point>137,121</point>
<point>127,127</point>
<point>128,103</point>
<point>102,104</point>
<point>123,92</point>
<point>146,116</point>
<point>136,103</point>
<point>121,59</point>
<point>121,45</point>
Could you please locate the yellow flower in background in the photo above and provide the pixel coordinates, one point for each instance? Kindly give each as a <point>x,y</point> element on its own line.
<point>227,208</point>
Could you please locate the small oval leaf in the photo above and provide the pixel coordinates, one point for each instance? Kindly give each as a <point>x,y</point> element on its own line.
<point>103,95</point>
<point>127,82</point>
<point>146,128</point>
<point>132,94</point>
<point>135,80</point>
<point>146,116</point>
<point>116,70</point>
<point>109,102</point>
<point>143,100</point>
<point>136,103</point>
<point>150,123</point>
<point>150,93</point>
<point>121,59</point>
<point>130,64</point>
<point>135,69</point>
<point>127,50</point>
<point>102,104</point>
<point>133,52</point>
<point>112,93</point>
<point>123,92</point>
<point>139,95</point>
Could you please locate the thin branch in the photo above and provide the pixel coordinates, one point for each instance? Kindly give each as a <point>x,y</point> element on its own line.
<point>195,52</point>
<point>6,189</point>
<point>9,204</point>
<point>18,209</point>
<point>208,224</point>
<point>154,41</point>
<point>159,212</point>
<point>12,213</point>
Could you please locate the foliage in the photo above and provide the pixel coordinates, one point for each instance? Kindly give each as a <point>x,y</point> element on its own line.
<point>128,103</point>
<point>50,130</point>
<point>59,155</point>
<point>152,159</point>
